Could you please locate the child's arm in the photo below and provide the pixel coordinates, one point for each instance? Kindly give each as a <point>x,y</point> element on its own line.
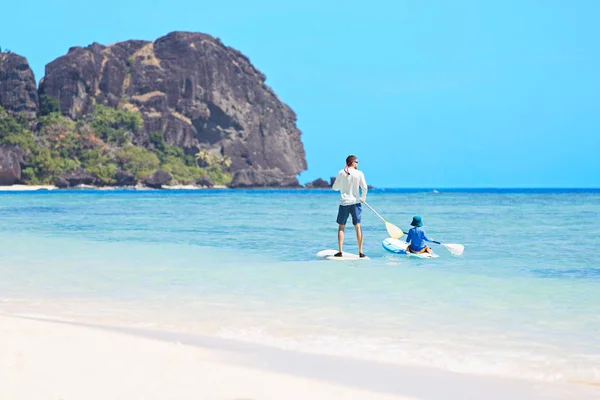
<point>425,238</point>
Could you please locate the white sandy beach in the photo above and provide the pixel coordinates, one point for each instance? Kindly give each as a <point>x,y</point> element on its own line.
<point>18,188</point>
<point>53,360</point>
<point>21,188</point>
<point>44,360</point>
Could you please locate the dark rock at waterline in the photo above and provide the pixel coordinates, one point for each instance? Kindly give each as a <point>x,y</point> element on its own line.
<point>157,179</point>
<point>11,160</point>
<point>72,179</point>
<point>124,178</point>
<point>205,181</point>
<point>61,183</point>
<point>250,178</point>
<point>318,184</point>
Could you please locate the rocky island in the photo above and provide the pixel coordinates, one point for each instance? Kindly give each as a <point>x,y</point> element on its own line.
<point>184,109</point>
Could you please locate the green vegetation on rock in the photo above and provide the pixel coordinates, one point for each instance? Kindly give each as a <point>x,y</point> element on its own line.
<point>137,160</point>
<point>48,105</point>
<point>101,144</point>
<point>115,126</point>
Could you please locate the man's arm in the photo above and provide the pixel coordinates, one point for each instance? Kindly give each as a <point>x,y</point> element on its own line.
<point>337,185</point>
<point>364,187</point>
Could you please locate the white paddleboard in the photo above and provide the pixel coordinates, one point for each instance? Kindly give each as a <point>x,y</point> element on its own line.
<point>399,247</point>
<point>329,255</point>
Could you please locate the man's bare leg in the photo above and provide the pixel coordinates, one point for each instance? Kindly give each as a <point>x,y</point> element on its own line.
<point>359,237</point>
<point>341,237</point>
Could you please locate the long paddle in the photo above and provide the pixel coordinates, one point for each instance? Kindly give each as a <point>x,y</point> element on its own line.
<point>455,249</point>
<point>392,229</point>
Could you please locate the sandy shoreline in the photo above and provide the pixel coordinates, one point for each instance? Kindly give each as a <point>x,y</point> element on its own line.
<point>18,188</point>
<point>27,188</point>
<point>44,360</point>
<point>54,360</point>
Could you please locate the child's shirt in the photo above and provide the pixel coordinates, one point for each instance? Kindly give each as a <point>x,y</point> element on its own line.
<point>417,238</point>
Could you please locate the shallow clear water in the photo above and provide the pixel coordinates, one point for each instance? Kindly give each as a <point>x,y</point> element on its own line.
<point>523,300</point>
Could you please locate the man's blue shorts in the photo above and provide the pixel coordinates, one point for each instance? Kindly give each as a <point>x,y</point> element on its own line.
<point>344,211</point>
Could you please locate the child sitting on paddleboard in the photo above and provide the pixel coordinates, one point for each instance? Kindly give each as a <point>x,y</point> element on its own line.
<point>416,238</point>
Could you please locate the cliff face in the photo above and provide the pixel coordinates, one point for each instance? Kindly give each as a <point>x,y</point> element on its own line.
<point>18,94</point>
<point>18,90</point>
<point>194,90</point>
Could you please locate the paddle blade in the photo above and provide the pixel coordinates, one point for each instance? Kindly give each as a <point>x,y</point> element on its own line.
<point>394,231</point>
<point>455,249</point>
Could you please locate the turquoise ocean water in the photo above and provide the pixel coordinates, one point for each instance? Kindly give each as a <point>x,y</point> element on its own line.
<point>523,300</point>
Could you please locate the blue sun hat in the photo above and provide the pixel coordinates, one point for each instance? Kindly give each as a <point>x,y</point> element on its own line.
<point>416,221</point>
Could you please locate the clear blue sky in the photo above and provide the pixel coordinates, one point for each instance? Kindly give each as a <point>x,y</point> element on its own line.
<point>426,93</point>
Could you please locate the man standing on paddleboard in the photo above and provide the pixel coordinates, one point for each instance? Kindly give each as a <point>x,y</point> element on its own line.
<point>348,182</point>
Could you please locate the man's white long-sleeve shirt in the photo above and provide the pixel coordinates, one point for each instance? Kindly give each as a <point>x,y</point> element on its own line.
<point>348,184</point>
